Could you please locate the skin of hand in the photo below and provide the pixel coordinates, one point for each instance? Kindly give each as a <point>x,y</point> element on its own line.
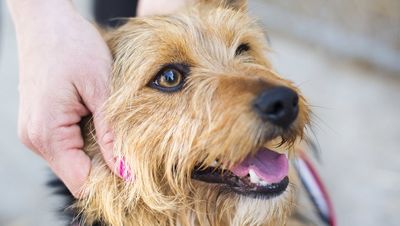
<point>64,69</point>
<point>159,7</point>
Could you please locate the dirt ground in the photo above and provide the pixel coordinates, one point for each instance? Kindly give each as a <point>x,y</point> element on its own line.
<point>357,129</point>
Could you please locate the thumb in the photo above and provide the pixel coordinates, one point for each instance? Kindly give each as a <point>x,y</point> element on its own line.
<point>94,98</point>
<point>105,139</point>
<point>63,141</point>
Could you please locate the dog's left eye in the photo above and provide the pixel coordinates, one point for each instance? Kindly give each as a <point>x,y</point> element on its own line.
<point>169,79</point>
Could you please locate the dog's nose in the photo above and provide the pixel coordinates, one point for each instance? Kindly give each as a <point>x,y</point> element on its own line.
<point>278,106</point>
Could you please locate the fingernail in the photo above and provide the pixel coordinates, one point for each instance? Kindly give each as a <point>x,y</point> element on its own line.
<point>124,170</point>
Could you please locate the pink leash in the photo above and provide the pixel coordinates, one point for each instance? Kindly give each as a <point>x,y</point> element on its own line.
<point>315,189</point>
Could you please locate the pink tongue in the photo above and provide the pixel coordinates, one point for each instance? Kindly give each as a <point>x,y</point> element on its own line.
<point>271,166</point>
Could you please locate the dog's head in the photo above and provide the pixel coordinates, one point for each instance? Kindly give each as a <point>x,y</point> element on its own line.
<point>197,109</point>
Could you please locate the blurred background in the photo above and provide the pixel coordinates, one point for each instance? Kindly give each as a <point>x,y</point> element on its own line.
<point>343,54</point>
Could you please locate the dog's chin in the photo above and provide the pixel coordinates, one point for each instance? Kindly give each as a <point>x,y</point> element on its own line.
<point>262,176</point>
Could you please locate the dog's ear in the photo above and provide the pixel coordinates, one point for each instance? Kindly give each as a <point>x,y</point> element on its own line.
<point>240,5</point>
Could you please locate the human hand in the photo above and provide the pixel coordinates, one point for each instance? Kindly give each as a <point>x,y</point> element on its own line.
<point>64,69</point>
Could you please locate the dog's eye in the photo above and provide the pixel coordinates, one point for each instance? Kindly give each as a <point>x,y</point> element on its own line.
<point>169,79</point>
<point>244,47</point>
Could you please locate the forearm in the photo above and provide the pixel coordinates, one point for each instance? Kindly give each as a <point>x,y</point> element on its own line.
<point>39,22</point>
<point>30,11</point>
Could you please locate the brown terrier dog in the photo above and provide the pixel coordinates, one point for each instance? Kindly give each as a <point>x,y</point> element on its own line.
<point>196,109</point>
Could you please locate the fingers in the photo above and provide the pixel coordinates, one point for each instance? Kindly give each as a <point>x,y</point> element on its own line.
<point>68,161</point>
<point>52,131</point>
<point>105,139</point>
<point>94,97</point>
<point>72,167</point>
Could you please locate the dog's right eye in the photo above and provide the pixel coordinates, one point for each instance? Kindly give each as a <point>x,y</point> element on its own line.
<point>169,79</point>
<point>242,48</point>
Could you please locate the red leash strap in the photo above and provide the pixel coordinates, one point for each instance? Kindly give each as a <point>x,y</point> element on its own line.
<point>315,189</point>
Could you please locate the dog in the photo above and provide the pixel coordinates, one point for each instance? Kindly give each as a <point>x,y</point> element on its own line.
<point>203,125</point>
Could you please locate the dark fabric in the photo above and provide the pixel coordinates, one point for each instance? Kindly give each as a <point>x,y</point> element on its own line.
<point>112,13</point>
<point>69,215</point>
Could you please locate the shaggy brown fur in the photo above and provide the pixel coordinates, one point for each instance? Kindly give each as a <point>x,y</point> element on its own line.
<point>164,135</point>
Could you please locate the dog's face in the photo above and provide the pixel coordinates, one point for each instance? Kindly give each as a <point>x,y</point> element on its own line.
<point>196,109</point>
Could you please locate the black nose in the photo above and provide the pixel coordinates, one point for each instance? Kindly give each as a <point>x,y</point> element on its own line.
<point>278,106</point>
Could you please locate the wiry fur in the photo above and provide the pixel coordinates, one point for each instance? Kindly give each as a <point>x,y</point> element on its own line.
<point>162,136</point>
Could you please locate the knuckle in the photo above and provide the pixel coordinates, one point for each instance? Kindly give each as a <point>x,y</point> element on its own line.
<point>32,136</point>
<point>36,137</point>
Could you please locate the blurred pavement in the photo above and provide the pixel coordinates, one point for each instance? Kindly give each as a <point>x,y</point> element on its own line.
<point>357,128</point>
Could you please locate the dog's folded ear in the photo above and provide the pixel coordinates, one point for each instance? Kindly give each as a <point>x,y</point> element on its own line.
<point>240,5</point>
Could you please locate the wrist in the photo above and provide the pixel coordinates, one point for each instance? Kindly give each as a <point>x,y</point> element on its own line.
<point>26,12</point>
<point>40,24</point>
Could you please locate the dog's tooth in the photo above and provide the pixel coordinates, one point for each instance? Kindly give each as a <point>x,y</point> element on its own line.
<point>253,177</point>
<point>256,179</point>
<point>214,164</point>
<point>263,183</point>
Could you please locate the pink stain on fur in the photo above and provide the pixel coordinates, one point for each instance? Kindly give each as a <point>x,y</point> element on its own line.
<point>124,170</point>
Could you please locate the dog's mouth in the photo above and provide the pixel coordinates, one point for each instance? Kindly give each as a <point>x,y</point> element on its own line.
<point>264,175</point>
